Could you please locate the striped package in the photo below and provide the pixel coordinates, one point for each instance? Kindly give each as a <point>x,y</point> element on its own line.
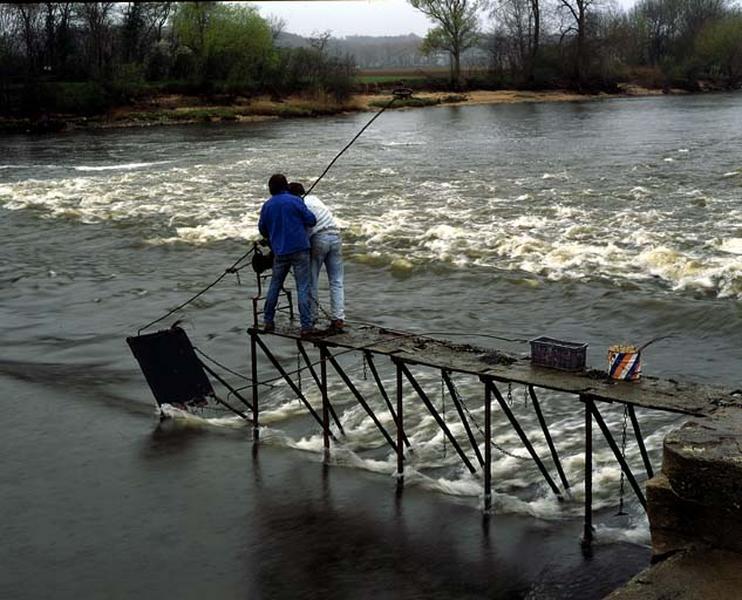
<point>624,363</point>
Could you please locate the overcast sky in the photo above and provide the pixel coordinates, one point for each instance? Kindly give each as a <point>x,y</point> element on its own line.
<point>352,17</point>
<point>347,17</point>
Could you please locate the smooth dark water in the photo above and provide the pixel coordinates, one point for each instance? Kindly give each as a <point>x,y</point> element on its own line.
<point>566,220</point>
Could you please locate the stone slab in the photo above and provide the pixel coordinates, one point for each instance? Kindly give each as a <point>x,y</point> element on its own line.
<point>698,574</point>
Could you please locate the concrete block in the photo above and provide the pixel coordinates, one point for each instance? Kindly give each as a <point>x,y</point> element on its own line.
<point>703,460</point>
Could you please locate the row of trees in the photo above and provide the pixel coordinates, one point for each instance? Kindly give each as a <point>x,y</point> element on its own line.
<point>89,55</point>
<point>115,50</point>
<point>591,42</point>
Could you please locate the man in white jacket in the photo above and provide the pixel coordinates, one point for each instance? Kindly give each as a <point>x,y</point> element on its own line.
<point>327,250</point>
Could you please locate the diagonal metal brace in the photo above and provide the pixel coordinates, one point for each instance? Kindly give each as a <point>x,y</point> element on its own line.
<point>617,453</point>
<point>317,380</point>
<point>522,435</point>
<point>231,389</point>
<point>382,389</point>
<point>290,382</point>
<point>225,384</point>
<point>437,417</point>
<point>547,435</point>
<point>360,398</point>
<point>464,420</point>
<point>640,441</point>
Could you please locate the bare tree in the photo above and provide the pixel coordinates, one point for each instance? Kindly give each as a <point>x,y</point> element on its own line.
<point>133,30</point>
<point>29,18</point>
<point>97,19</point>
<point>520,21</point>
<point>658,21</point>
<point>277,25</point>
<point>457,28</point>
<point>578,12</point>
<point>156,15</point>
<point>319,40</point>
<point>57,44</point>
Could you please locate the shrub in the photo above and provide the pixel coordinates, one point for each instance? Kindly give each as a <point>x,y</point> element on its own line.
<point>84,98</point>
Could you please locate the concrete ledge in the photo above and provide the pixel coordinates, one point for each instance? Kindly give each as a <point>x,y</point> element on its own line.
<point>703,460</point>
<point>695,514</point>
<point>691,575</point>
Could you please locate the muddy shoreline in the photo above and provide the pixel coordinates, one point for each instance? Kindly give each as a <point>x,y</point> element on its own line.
<point>183,110</point>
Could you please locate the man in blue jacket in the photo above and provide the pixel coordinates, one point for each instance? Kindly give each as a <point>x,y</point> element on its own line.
<point>284,220</point>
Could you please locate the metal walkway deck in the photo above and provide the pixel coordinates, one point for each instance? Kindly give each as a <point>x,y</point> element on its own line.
<point>661,394</point>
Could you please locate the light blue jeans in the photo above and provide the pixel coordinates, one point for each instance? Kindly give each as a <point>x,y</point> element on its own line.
<point>327,249</point>
<point>299,261</point>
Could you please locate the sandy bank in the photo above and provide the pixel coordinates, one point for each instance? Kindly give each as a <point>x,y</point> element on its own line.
<point>180,109</point>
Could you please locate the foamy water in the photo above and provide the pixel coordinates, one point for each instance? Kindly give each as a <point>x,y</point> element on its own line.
<point>655,225</point>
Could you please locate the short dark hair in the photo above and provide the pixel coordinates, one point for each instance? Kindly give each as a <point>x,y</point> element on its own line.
<point>277,184</point>
<point>296,188</point>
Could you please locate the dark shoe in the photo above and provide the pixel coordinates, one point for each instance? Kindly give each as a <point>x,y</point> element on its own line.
<point>269,327</point>
<point>336,326</point>
<point>305,333</point>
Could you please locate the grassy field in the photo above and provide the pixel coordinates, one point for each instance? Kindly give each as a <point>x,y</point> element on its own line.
<point>362,78</point>
<point>382,76</point>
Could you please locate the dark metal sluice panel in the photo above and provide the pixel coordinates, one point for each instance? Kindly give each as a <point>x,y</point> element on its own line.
<point>171,367</point>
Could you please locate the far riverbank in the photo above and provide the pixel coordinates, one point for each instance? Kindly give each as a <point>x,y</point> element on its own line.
<point>177,109</point>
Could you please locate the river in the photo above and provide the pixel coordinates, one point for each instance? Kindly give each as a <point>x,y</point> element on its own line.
<point>600,221</point>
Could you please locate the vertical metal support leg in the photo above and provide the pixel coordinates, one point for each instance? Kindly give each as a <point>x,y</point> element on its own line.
<point>255,301</point>
<point>380,385</point>
<point>547,435</point>
<point>587,535</point>
<point>254,376</point>
<point>487,448</point>
<point>640,442</point>
<point>400,428</point>
<point>325,401</point>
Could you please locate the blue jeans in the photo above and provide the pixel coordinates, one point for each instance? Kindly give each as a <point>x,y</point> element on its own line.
<point>327,249</point>
<point>281,266</point>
